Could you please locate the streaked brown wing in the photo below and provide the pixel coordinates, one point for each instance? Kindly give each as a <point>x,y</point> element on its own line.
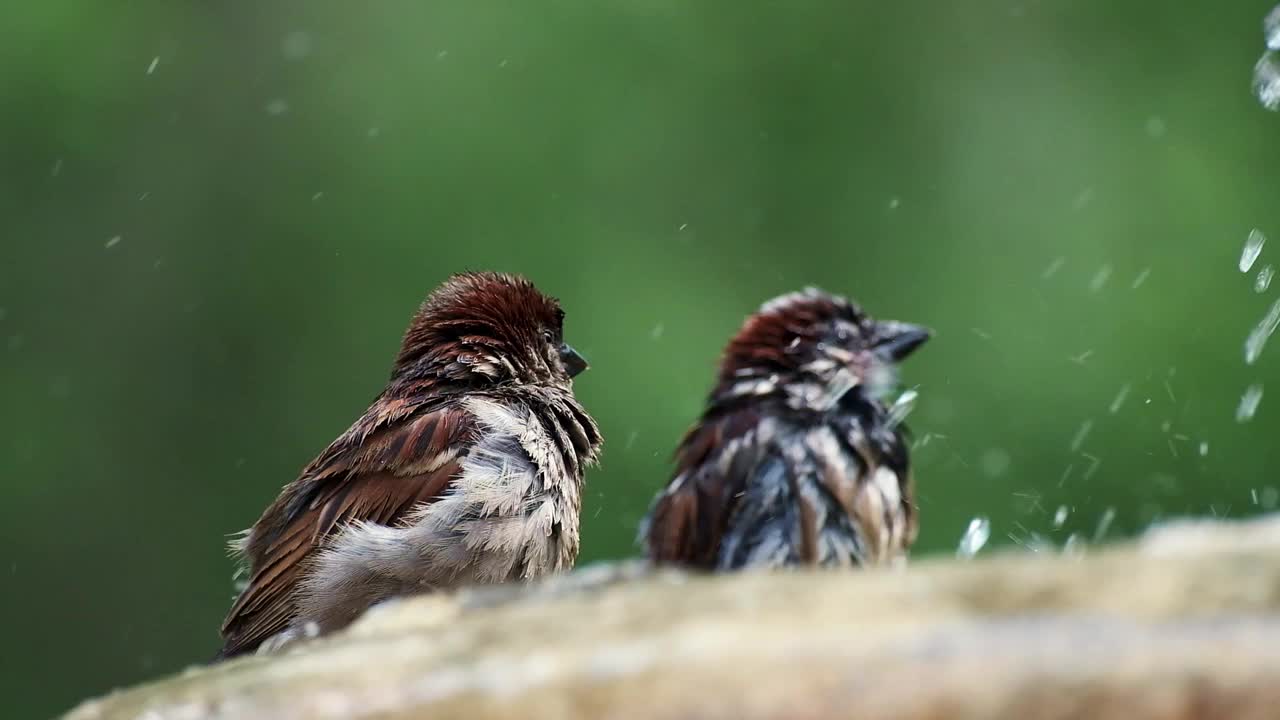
<point>689,519</point>
<point>398,455</point>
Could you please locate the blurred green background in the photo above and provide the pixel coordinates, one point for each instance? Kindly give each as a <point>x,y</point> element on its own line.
<point>218,217</point>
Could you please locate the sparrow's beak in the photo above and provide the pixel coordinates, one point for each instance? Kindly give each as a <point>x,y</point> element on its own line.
<point>899,339</point>
<point>573,362</point>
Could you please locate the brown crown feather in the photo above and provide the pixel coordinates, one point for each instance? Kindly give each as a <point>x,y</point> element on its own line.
<point>492,312</point>
<point>780,334</point>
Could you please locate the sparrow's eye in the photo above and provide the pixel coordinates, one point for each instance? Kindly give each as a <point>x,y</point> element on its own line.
<point>546,335</point>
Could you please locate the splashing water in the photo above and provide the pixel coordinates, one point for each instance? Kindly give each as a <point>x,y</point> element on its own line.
<point>1066,473</point>
<point>1266,81</point>
<point>1249,403</point>
<point>1074,546</point>
<point>1264,279</point>
<point>1261,333</point>
<point>1271,28</point>
<point>296,45</point>
<point>995,462</point>
<point>1268,498</point>
<point>1033,542</point>
<point>1120,398</point>
<point>1053,268</point>
<point>1100,279</point>
<point>1104,524</point>
<point>1060,517</point>
<point>975,537</point>
<point>1252,249</point>
<point>1081,434</point>
<point>1094,463</point>
<point>902,407</point>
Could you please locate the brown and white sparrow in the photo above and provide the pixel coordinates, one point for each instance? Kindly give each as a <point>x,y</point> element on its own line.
<point>467,468</point>
<point>796,459</point>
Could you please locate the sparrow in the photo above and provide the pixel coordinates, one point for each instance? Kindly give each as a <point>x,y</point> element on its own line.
<point>466,469</point>
<point>796,460</point>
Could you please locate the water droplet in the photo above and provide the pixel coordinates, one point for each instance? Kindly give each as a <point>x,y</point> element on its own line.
<point>1271,28</point>
<point>296,45</point>
<point>1268,498</point>
<point>1118,402</point>
<point>1248,406</point>
<point>974,538</point>
<point>902,407</point>
<point>1038,543</point>
<point>1155,126</point>
<point>1100,278</point>
<point>1078,439</point>
<point>1104,524</point>
<point>995,462</point>
<point>1060,517</point>
<point>1033,542</point>
<point>154,62</point>
<point>657,331</point>
<point>1065,474</point>
<point>1094,464</point>
<point>1252,249</point>
<point>1082,357</point>
<point>1266,81</point>
<point>1141,278</point>
<point>115,240</point>
<point>1204,449</point>
<point>373,132</point>
<point>1074,546</point>
<point>1262,332</point>
<point>1053,268</point>
<point>1264,279</point>
<point>894,203</point>
<point>279,106</point>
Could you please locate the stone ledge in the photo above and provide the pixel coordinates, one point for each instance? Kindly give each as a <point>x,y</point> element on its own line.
<point>1179,625</point>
